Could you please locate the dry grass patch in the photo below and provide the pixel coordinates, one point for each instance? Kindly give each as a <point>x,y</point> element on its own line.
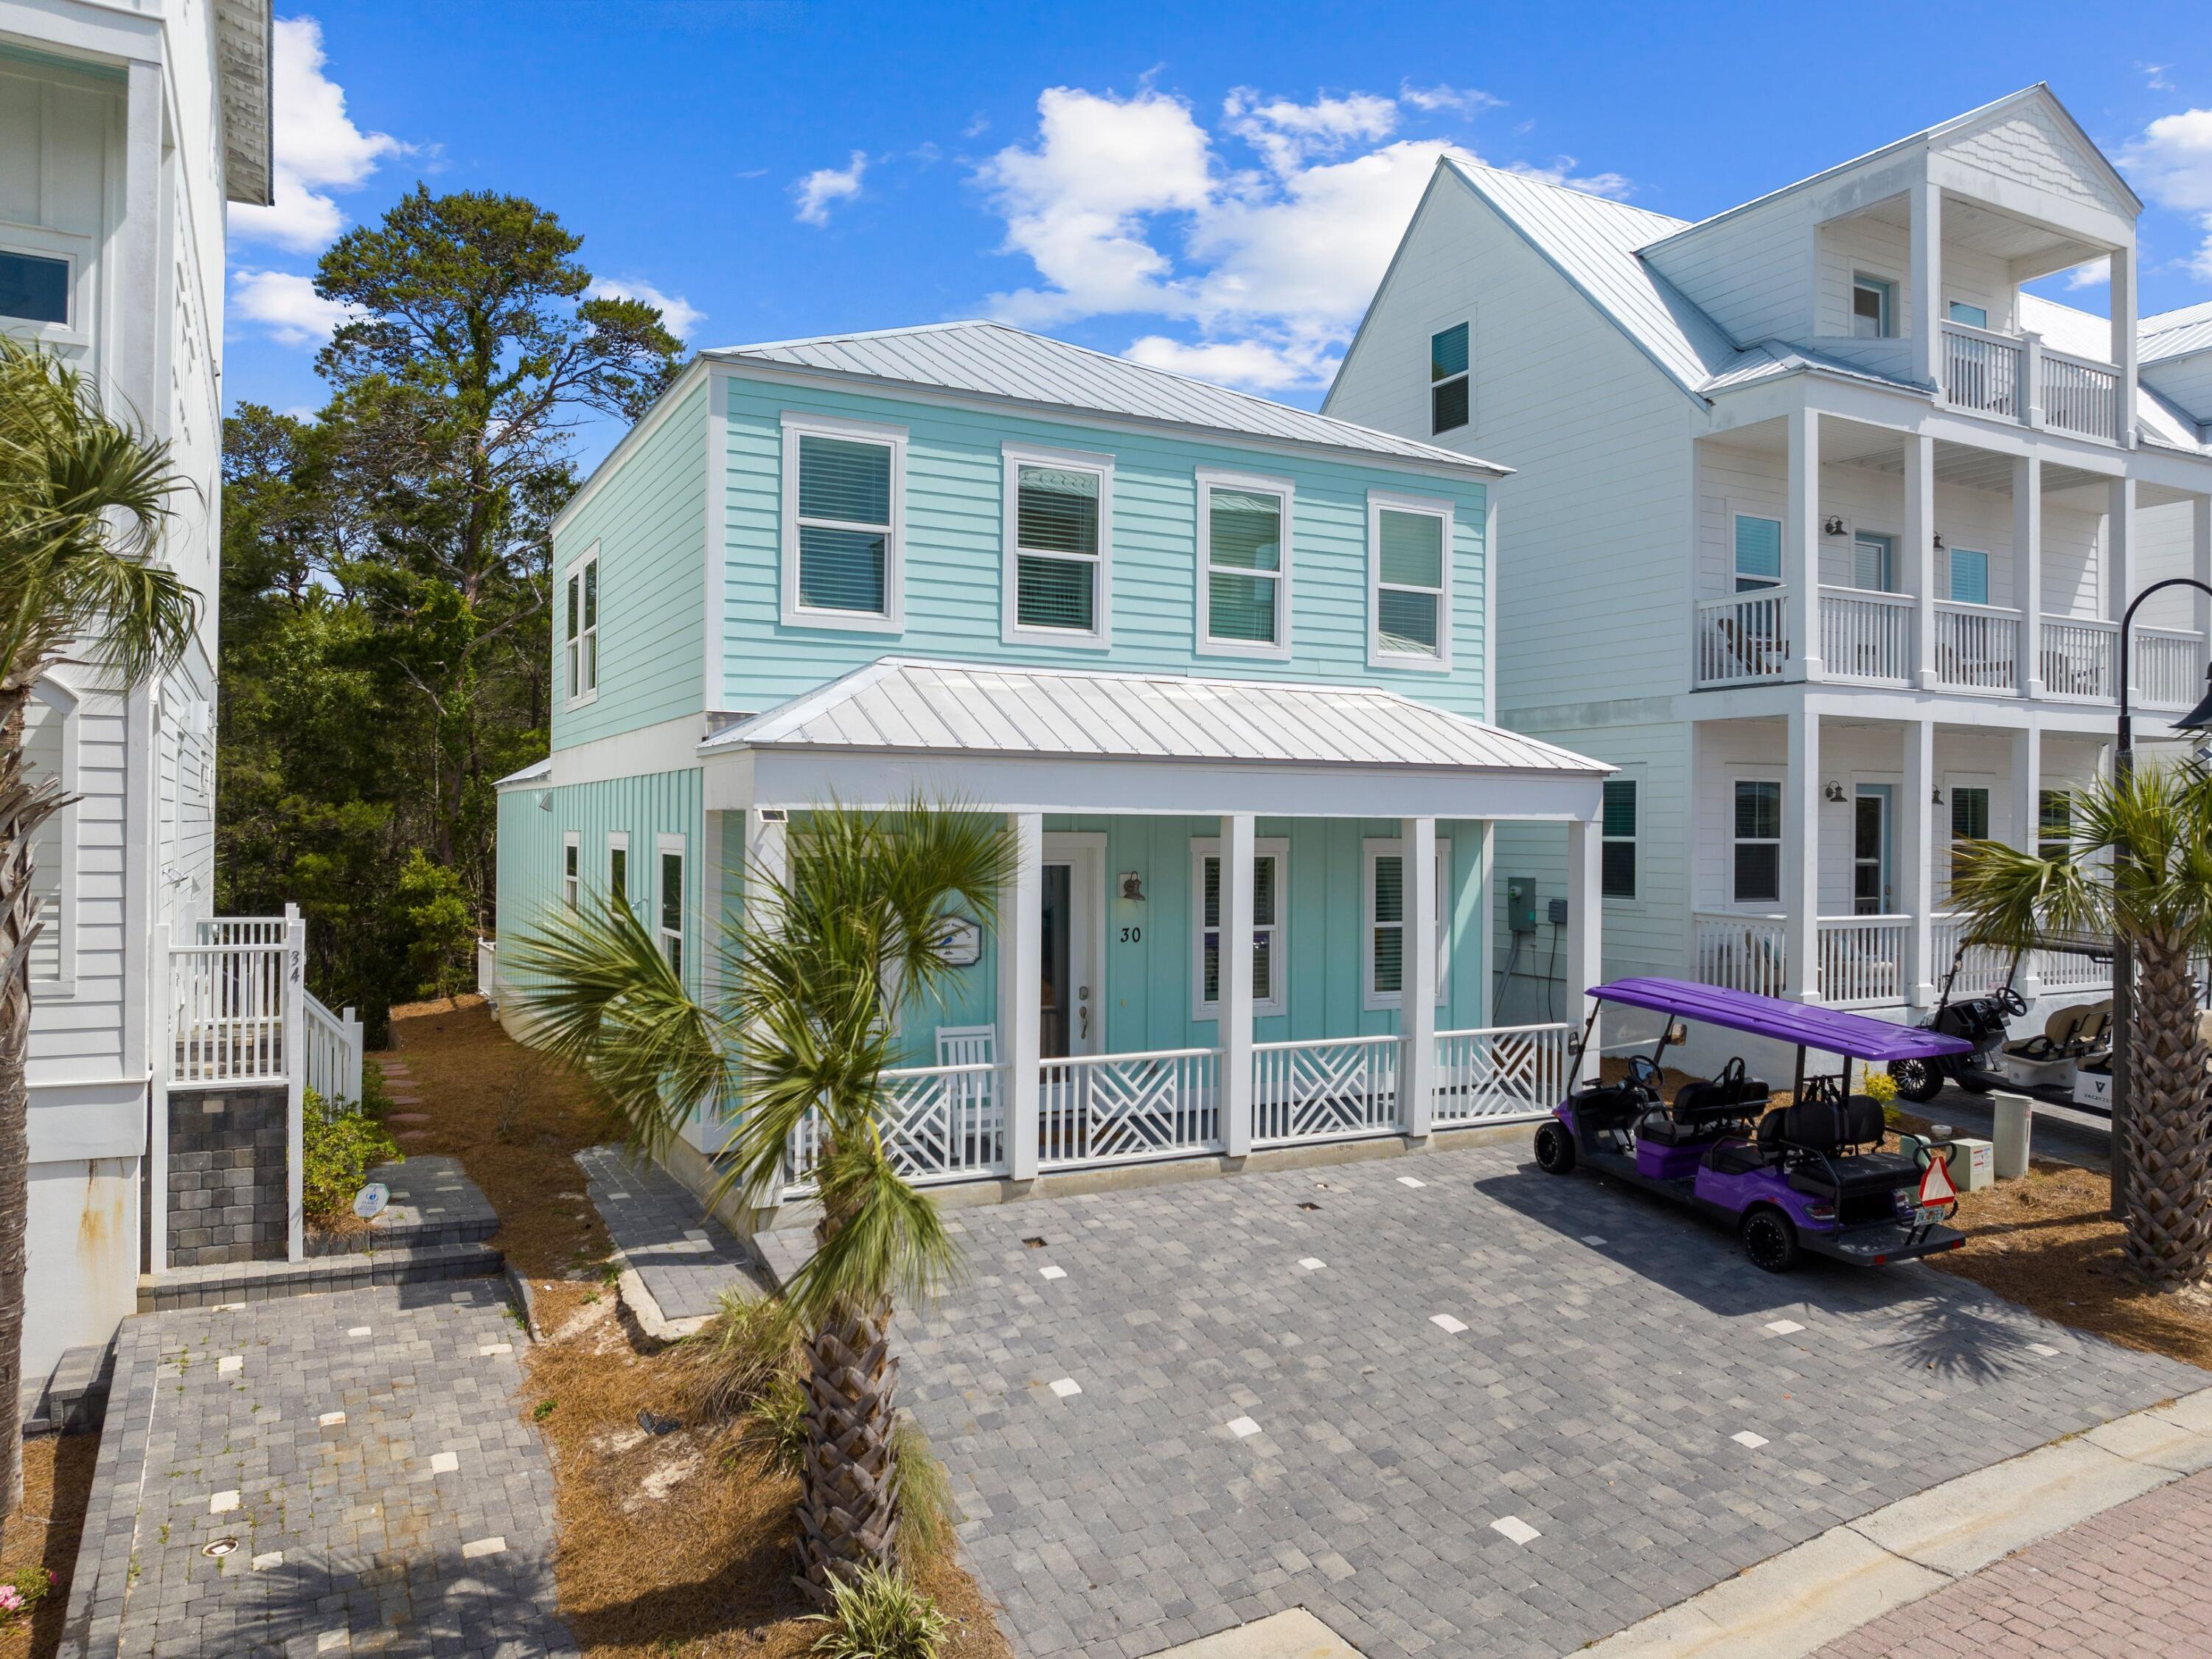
<point>43,1533</point>
<point>676,1543</point>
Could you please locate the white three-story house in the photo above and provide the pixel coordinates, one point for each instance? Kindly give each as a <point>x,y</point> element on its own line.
<point>1822,530</point>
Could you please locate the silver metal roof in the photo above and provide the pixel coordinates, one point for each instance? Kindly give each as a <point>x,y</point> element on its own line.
<point>992,360</point>
<point>910,705</point>
<point>2174,333</point>
<point>537,772</point>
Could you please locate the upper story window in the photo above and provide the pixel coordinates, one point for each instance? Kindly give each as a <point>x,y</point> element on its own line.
<point>1971,315</point>
<point>1757,873</point>
<point>1758,552</point>
<point>1617,877</point>
<point>581,627</point>
<point>844,492</point>
<point>42,282</point>
<point>1969,576</point>
<point>1874,308</point>
<point>1409,541</point>
<point>1244,566</point>
<point>35,287</point>
<point>1059,534</point>
<point>1448,378</point>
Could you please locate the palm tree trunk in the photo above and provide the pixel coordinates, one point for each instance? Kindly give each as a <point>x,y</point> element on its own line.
<point>20,814</point>
<point>848,1507</point>
<point>2169,1143</point>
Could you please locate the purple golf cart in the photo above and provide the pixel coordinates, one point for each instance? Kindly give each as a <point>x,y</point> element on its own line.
<point>1810,1175</point>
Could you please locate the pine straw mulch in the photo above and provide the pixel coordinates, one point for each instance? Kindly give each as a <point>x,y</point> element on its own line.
<point>675,1545</point>
<point>57,1487</point>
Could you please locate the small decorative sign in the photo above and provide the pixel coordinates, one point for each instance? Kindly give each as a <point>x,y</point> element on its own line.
<point>369,1203</point>
<point>960,942</point>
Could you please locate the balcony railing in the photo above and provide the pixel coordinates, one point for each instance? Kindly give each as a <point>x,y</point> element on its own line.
<point>2077,657</point>
<point>1866,635</point>
<point>1742,952</point>
<point>1861,959</point>
<point>1983,371</point>
<point>2016,377</point>
<point>1977,646</point>
<point>2080,397</point>
<point>1744,638</point>
<point>2167,665</point>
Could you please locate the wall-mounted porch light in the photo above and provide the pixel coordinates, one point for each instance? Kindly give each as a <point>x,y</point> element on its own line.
<point>1835,791</point>
<point>1833,525</point>
<point>1939,543</point>
<point>1132,886</point>
<point>1935,796</point>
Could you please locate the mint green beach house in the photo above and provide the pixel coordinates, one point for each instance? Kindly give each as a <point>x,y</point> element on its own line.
<point>1224,665</point>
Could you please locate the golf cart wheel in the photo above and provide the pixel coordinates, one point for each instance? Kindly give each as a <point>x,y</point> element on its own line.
<point>1769,1239</point>
<point>1555,1149</point>
<point>1915,1079</point>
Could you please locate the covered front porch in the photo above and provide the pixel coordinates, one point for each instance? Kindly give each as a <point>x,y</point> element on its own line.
<point>1205,949</point>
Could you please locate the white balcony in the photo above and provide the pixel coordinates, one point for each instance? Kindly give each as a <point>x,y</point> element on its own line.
<point>1866,636</point>
<point>1977,648</point>
<point>1860,962</point>
<point>2017,378</point>
<point>1743,639</point>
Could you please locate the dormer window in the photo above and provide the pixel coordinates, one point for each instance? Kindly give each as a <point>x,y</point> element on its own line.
<point>1448,400</point>
<point>1874,308</point>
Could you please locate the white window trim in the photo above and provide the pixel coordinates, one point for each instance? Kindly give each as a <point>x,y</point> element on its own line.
<point>1012,630</point>
<point>41,243</point>
<point>1634,841</point>
<point>618,842</point>
<point>64,704</point>
<point>1775,516</point>
<point>1893,324</point>
<point>572,887</point>
<point>1202,848</point>
<point>1466,374</point>
<point>1374,1001</point>
<point>575,575</point>
<point>1210,479</point>
<point>662,846</point>
<point>795,615</point>
<point>1378,503</point>
<point>1756,907</point>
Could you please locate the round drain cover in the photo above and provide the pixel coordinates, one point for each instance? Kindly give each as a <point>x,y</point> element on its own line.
<point>220,1547</point>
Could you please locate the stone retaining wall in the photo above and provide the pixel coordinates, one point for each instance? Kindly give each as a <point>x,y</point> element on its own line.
<point>227,1185</point>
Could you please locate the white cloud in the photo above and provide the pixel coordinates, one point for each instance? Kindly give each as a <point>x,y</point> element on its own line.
<point>2172,164</point>
<point>2089,275</point>
<point>1562,172</point>
<point>317,149</point>
<point>1466,101</point>
<point>286,305</point>
<point>677,315</point>
<point>1126,207</point>
<point>2155,76</point>
<point>818,190</point>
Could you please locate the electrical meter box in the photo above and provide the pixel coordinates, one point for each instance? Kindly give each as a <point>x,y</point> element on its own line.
<point>1521,904</point>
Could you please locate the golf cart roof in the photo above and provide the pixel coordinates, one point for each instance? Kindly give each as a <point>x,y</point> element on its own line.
<point>1829,1031</point>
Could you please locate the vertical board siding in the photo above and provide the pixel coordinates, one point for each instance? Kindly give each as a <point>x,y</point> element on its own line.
<point>649,518</point>
<point>953,553</point>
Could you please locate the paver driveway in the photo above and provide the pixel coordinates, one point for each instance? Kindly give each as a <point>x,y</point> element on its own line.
<point>1257,1406</point>
<point>362,1455</point>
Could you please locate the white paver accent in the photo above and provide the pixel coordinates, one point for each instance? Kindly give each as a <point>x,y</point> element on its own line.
<point>358,1330</point>
<point>273,1558</point>
<point>1312,1264</point>
<point>331,1419</point>
<point>1243,1427</point>
<point>230,1364</point>
<point>1748,1438</point>
<point>1785,1327</point>
<point>483,1547</point>
<point>2043,1348</point>
<point>331,1639</point>
<point>613,1195</point>
<point>222,1503</point>
<point>1445,1323</point>
<point>444,1463</point>
<point>1516,1528</point>
<point>1410,1181</point>
<point>497,1347</point>
<point>1593,1239</point>
<point>1067,1385</point>
<point>229,1307</point>
<point>1051,1272</point>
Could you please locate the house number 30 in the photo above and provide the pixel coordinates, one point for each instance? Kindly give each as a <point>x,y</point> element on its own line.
<point>1132,935</point>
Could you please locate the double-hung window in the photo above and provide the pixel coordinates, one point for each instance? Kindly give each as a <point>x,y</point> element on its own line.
<point>1874,308</point>
<point>1758,552</point>
<point>1269,968</point>
<point>1243,565</point>
<point>2054,825</point>
<point>670,849</point>
<point>581,627</point>
<point>1389,899</point>
<point>1756,876</point>
<point>1970,819</point>
<point>1448,378</point>
<point>572,859</point>
<point>619,865</point>
<point>1409,539</point>
<point>1617,877</point>
<point>1969,576</point>
<point>844,498</point>
<point>1059,536</point>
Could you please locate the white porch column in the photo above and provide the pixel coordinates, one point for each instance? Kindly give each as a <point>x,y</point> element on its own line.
<point>295,1085</point>
<point>2123,340</point>
<point>1417,1023</point>
<point>1917,556</point>
<point>1916,885</point>
<point>2026,823</point>
<point>1021,965</point>
<point>157,1133</point>
<point>2200,565</point>
<point>1801,543</point>
<point>1585,932</point>
<point>1234,1089</point>
<point>142,279</point>
<point>1800,858</point>
<point>1485,912</point>
<point>1927,309</point>
<point>2119,554</point>
<point>2028,567</point>
<point>706,1128</point>
<point>768,866</point>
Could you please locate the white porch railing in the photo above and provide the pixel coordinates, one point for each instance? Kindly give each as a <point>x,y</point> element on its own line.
<point>1866,635</point>
<point>1977,646</point>
<point>330,1046</point>
<point>2167,664</point>
<point>2077,657</point>
<point>1743,638</point>
<point>488,970</point>
<point>1328,1088</point>
<point>1499,1071</point>
<point>228,1019</point>
<point>2080,397</point>
<point>943,1123</point>
<point>1125,1108</point>
<point>1742,952</point>
<point>1861,959</point>
<point>1982,371</point>
<point>1982,967</point>
<point>1995,375</point>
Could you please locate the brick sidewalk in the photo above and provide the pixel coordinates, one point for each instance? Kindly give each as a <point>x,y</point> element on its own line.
<point>2135,1581</point>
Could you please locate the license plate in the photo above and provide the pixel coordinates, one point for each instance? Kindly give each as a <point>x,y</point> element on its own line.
<point>1927,1218</point>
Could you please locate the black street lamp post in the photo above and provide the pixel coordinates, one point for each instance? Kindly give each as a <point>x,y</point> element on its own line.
<point>2199,720</point>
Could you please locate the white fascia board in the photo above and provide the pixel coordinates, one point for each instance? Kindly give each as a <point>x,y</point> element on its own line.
<point>668,402</point>
<point>1874,702</point>
<point>799,778</point>
<point>101,34</point>
<point>668,746</point>
<point>1103,419</point>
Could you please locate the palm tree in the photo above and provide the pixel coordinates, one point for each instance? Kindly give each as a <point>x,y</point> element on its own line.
<point>82,502</point>
<point>2139,868</point>
<point>822,965</point>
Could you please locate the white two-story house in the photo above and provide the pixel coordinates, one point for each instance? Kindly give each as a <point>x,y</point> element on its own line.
<point>1822,530</point>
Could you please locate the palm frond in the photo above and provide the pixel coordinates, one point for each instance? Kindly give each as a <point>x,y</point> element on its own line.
<point>889,1241</point>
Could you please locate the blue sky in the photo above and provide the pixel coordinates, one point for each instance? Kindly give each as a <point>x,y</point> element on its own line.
<point>1213,188</point>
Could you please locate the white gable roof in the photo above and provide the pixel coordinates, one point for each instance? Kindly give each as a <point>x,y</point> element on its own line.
<point>912,705</point>
<point>992,360</point>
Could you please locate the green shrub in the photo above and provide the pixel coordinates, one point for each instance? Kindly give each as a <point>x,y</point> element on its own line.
<point>877,1614</point>
<point>339,1148</point>
<point>740,1353</point>
<point>926,1516</point>
<point>376,1100</point>
<point>774,1428</point>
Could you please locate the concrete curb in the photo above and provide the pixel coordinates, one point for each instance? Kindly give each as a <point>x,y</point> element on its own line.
<point>1792,1603</point>
<point>524,1301</point>
<point>644,1309</point>
<point>1294,1634</point>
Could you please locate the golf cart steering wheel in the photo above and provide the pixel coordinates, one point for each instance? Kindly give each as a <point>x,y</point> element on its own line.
<point>2011,1003</point>
<point>1645,1072</point>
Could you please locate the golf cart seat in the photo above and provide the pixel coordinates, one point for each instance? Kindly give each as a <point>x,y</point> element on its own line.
<point>1829,1133</point>
<point>1703,1108</point>
<point>2059,1033</point>
<point>2096,1033</point>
